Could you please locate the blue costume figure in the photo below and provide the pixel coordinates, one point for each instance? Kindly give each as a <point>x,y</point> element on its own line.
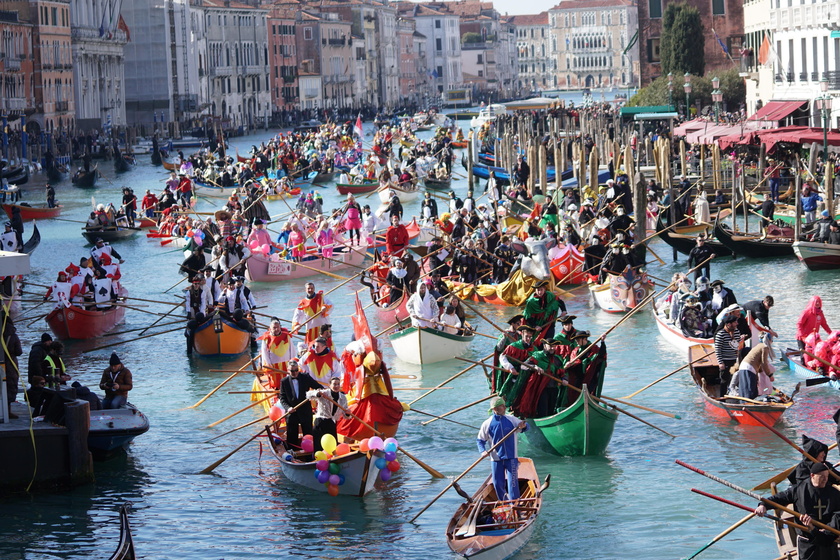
<point>504,458</point>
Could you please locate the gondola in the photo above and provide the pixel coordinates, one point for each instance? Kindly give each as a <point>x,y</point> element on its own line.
<point>323,177</point>
<point>753,246</point>
<point>33,242</point>
<point>422,345</point>
<point>156,155</point>
<point>433,183</point>
<point>485,528</point>
<point>123,163</point>
<point>55,173</point>
<point>685,243</point>
<point>705,373</point>
<point>125,548</point>
<point>20,177</point>
<point>85,178</point>
<point>673,334</point>
<point>109,234</point>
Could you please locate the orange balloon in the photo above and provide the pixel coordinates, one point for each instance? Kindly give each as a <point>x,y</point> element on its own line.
<point>275,413</point>
<point>332,490</point>
<point>363,445</point>
<point>342,449</point>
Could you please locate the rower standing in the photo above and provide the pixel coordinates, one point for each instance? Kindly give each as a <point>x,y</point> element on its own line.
<point>505,459</point>
<point>329,405</point>
<point>293,390</point>
<point>275,352</point>
<point>312,311</point>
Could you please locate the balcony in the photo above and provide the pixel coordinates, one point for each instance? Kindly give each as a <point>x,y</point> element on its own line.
<point>251,69</point>
<point>12,63</point>
<point>219,71</point>
<point>62,106</point>
<point>13,104</point>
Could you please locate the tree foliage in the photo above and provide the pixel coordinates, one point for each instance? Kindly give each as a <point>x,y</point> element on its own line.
<point>471,37</point>
<point>682,40</point>
<point>731,84</point>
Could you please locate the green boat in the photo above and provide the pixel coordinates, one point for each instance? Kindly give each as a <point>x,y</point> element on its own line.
<point>584,428</point>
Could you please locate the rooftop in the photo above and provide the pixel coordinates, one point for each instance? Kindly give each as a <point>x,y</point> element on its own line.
<point>531,19</point>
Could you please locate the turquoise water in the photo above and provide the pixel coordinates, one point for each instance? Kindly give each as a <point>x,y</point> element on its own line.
<point>634,502</point>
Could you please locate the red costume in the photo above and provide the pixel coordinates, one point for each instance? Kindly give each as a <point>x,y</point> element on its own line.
<point>396,239</point>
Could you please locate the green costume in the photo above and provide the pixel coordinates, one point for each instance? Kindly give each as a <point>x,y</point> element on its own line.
<point>513,384</point>
<point>542,311</point>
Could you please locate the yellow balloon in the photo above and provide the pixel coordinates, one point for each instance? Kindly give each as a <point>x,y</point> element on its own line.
<point>328,443</point>
<point>320,456</point>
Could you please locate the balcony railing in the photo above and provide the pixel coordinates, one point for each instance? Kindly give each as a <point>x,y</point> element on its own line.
<point>216,71</point>
<point>61,106</point>
<point>12,63</point>
<point>13,104</point>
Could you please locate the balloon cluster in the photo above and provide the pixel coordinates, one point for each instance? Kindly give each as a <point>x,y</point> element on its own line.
<point>327,472</point>
<point>387,464</point>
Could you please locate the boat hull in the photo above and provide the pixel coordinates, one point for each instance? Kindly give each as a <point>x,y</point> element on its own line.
<point>232,341</point>
<point>583,428</point>
<point>793,358</point>
<point>33,212</point>
<point>675,337</point>
<point>567,267</point>
<point>622,292</point>
<point>112,430</point>
<point>751,246</point>
<point>353,188</point>
<point>79,324</point>
<point>818,256</point>
<point>427,346</point>
<point>108,235</point>
<point>260,268</point>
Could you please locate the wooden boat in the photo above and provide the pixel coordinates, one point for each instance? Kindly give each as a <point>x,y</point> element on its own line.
<point>39,212</point>
<point>497,540</point>
<point>262,268</point>
<point>170,166</point>
<point>817,256</point>
<point>78,323</point>
<point>157,158</point>
<point>353,188</point>
<point>33,241</point>
<point>459,144</point>
<point>125,547</point>
<point>684,243</point>
<point>706,376</point>
<point>583,428</point>
<point>112,430</point>
<point>360,472</point>
<point>622,292</point>
<point>123,163</point>
<point>18,176</point>
<point>218,336</point>
<point>323,177</point>
<point>144,223</point>
<point>85,178</point>
<point>404,194</point>
<point>674,334</point>
<point>753,246</point>
<point>432,183</point>
<point>567,267</point>
<point>109,234</point>
<point>201,187</point>
<point>280,196</point>
<point>55,173</point>
<point>427,345</point>
<point>794,361</point>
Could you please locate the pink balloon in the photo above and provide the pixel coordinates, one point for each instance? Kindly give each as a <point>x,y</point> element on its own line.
<point>322,465</point>
<point>376,443</point>
<point>307,445</point>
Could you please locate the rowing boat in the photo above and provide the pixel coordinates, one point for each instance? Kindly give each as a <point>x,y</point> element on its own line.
<point>485,528</point>
<point>421,345</point>
<point>673,334</point>
<point>125,547</point>
<point>622,292</point>
<point>567,267</point>
<point>751,245</point>
<point>262,268</point>
<point>357,188</point>
<point>108,234</point>
<point>112,430</point>
<point>818,256</point>
<point>78,323</point>
<point>434,183</point>
<point>583,428</point>
<point>359,469</point>
<point>219,336</point>
<point>705,373</point>
<point>794,360</point>
<point>684,243</point>
<point>28,212</point>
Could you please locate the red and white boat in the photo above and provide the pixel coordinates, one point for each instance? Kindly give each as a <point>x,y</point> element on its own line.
<point>818,256</point>
<point>673,334</point>
<point>567,267</point>
<point>78,323</point>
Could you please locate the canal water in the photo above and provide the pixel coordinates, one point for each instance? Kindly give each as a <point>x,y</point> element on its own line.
<point>633,502</point>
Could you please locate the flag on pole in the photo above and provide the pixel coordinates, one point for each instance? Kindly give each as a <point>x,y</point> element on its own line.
<point>632,42</point>
<point>357,128</point>
<point>764,51</point>
<point>722,46</point>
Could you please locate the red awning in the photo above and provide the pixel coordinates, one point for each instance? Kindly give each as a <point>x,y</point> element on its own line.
<point>776,110</point>
<point>789,134</point>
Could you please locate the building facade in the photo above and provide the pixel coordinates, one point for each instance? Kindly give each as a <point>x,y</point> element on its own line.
<point>724,17</point>
<point>18,92</point>
<point>443,44</point>
<point>533,53</point>
<point>282,52</point>
<point>589,43</point>
<point>236,80</point>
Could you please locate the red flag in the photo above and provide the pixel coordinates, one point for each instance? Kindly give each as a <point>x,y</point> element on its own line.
<point>123,27</point>
<point>764,51</point>
<point>357,128</point>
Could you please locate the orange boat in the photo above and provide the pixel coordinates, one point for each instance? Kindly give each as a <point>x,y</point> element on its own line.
<point>40,212</point>
<point>706,375</point>
<point>218,336</point>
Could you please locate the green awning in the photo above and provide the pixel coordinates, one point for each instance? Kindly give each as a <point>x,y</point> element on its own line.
<point>654,116</point>
<point>627,111</point>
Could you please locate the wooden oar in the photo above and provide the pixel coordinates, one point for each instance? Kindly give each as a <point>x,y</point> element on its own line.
<point>468,529</point>
<point>441,417</point>
<point>752,514</point>
<point>223,383</point>
<point>240,411</point>
<point>132,340</point>
<point>480,314</point>
<point>211,468</point>
<point>723,534</point>
<point>666,376</point>
<point>324,272</point>
<point>460,408</point>
<point>463,474</point>
<point>174,308</point>
<point>435,473</point>
<point>457,375</point>
<point>142,328</point>
<point>789,442</point>
<point>782,475</point>
<point>252,422</point>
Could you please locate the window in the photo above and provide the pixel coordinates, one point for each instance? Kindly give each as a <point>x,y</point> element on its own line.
<point>438,44</point>
<point>480,59</point>
<point>440,71</point>
<point>307,33</point>
<point>718,7</point>
<point>437,24</point>
<point>655,8</point>
<point>653,50</point>
<point>481,73</point>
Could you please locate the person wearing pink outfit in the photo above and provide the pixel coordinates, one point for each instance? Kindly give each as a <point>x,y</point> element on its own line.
<point>259,241</point>
<point>810,321</point>
<point>296,241</point>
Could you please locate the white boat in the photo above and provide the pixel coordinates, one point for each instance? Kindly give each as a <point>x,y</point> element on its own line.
<point>622,292</point>
<point>405,195</point>
<point>472,537</point>
<point>262,268</point>
<point>818,256</point>
<point>488,114</point>
<point>422,345</point>
<point>360,473</point>
<point>674,335</point>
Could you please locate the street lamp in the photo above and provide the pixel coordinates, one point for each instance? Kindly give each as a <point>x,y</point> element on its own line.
<point>670,89</point>
<point>823,105</point>
<point>687,90</point>
<point>717,97</point>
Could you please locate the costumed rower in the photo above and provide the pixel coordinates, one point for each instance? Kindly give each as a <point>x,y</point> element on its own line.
<point>508,337</point>
<point>422,307</point>
<point>320,362</point>
<point>505,460</point>
<point>542,394</point>
<point>541,309</point>
<point>275,352</point>
<point>396,237</point>
<point>310,306</point>
<point>519,351</point>
<point>293,390</point>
